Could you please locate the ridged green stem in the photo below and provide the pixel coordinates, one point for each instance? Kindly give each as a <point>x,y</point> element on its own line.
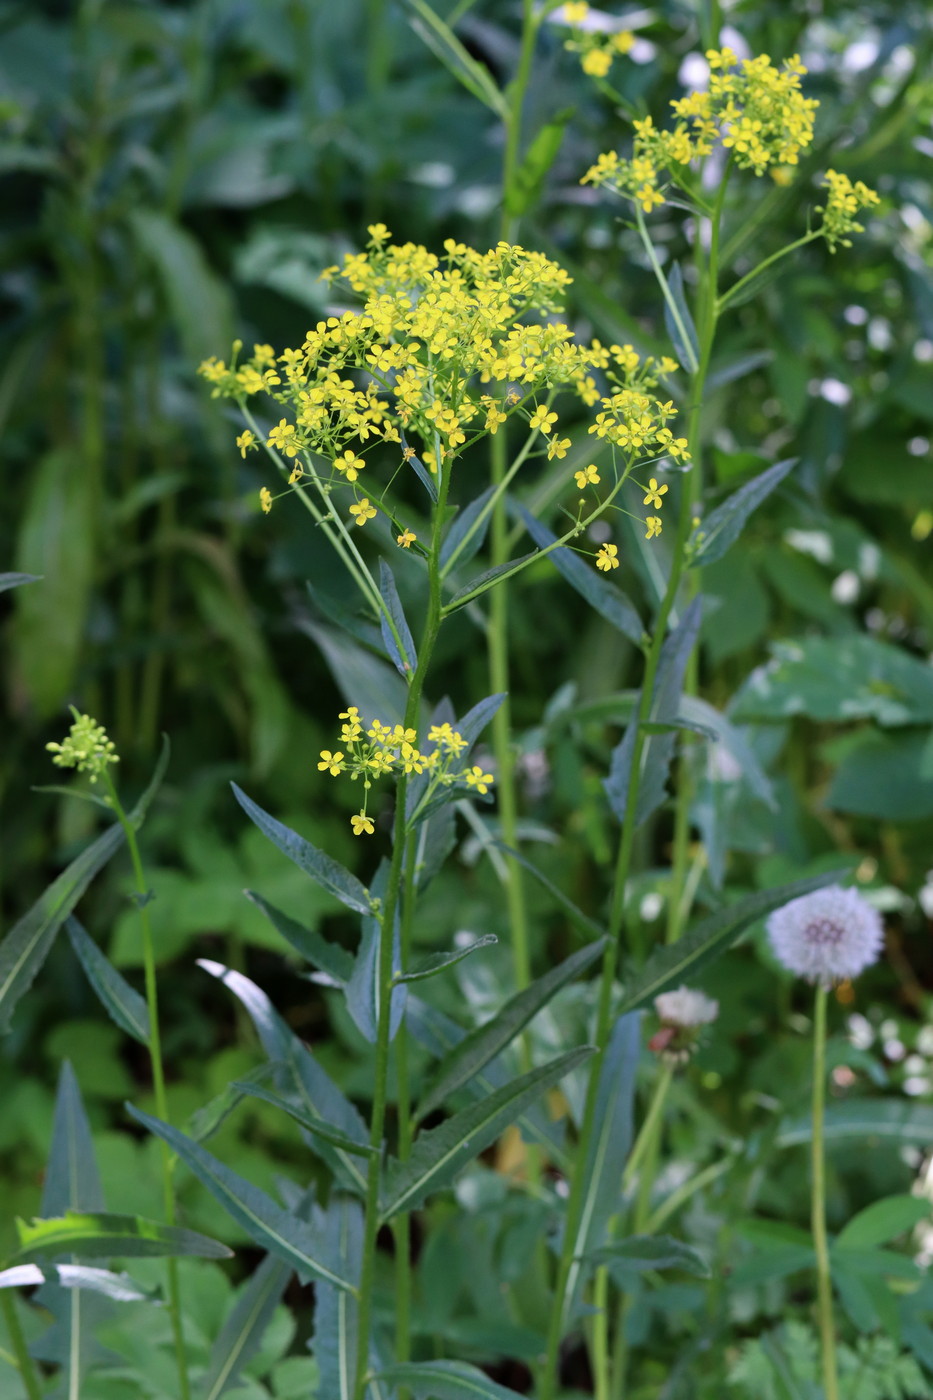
<point>27,1367</point>
<point>385,973</point>
<point>158,1077</point>
<point>818,1204</point>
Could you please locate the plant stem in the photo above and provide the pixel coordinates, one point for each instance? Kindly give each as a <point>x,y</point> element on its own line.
<point>158,1077</point>
<point>818,1204</point>
<point>27,1367</point>
<point>401,1229</point>
<point>386,938</point>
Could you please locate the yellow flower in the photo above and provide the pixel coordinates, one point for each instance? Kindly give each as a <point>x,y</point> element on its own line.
<point>596,62</point>
<point>265,499</point>
<point>542,419</point>
<point>349,465</point>
<point>557,447</point>
<point>296,473</point>
<point>476,778</point>
<point>406,538</point>
<point>363,511</point>
<point>588,477</point>
<point>655,492</point>
<point>648,197</point>
<point>654,526</point>
<point>607,558</point>
<point>283,437</point>
<point>623,40</point>
<point>331,762</point>
<point>362,825</point>
<point>575,12</point>
<point>245,441</point>
<point>378,234</point>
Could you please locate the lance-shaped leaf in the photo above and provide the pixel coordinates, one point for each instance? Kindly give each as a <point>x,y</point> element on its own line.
<point>867,1121</point>
<point>679,322</point>
<point>258,1085</point>
<point>722,526</point>
<point>26,946</point>
<point>485,1042</point>
<point>99,1235</point>
<point>336,1313</point>
<point>364,989</point>
<point>122,1002</point>
<point>576,916</point>
<point>279,1231</point>
<point>703,716</point>
<point>119,1287</point>
<point>446,1380</point>
<point>658,750</point>
<point>312,1087</point>
<point>525,185</point>
<point>608,1149</point>
<point>399,644</point>
<point>608,600</point>
<point>443,42</point>
<point>438,962</point>
<point>420,470</point>
<point>468,531</point>
<point>681,961</point>
<point>242,1333</point>
<point>487,579</point>
<point>330,958</point>
<point>438,1155</point>
<point>325,871</point>
<point>645,1253</point>
<point>883,1221</point>
<point>14,580</point>
<point>438,1034</point>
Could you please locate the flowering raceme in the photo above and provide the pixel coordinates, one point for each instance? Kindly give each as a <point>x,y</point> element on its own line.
<point>752,110</point>
<point>384,749</point>
<point>443,352</point>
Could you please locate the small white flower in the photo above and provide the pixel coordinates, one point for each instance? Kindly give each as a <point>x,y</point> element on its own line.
<point>828,936</point>
<point>686,1008</point>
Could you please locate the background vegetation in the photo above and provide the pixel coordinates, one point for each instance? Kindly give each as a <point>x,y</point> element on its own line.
<point>175,175</point>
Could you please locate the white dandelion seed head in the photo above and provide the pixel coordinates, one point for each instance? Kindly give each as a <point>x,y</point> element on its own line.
<point>828,936</point>
<point>686,1008</point>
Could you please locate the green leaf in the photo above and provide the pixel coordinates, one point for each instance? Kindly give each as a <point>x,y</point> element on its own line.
<point>123,1004</point>
<point>875,1263</point>
<point>116,1286</point>
<point>583,922</point>
<point>71,1177</point>
<point>310,1085</point>
<point>400,644</point>
<point>199,300</point>
<point>882,1221</point>
<point>839,678</point>
<point>884,776</point>
<point>658,752</point>
<point>330,958</point>
<point>364,680</point>
<point>722,526</point>
<point>541,154</point>
<point>707,940</point>
<point>336,1312</point>
<point>446,1380</point>
<point>363,991</point>
<point>421,471</point>
<point>255,1085</point>
<point>488,1040</point>
<point>440,1154</point>
<point>780,1250</point>
<point>467,532</point>
<point>437,962</point>
<point>679,322</point>
<point>609,1147</point>
<point>279,1231</point>
<point>697,712</point>
<point>57,542</point>
<point>242,1332</point>
<point>608,600</point>
<point>866,1120</point>
<point>96,1235</point>
<point>642,1253</point>
<point>17,580</point>
<point>26,946</point>
<point>486,580</point>
<point>442,41</point>
<point>328,873</point>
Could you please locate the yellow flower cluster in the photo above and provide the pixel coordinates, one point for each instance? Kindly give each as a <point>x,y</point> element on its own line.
<point>86,747</point>
<point>845,201</point>
<point>382,749</point>
<point>597,49</point>
<point>752,109</point>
